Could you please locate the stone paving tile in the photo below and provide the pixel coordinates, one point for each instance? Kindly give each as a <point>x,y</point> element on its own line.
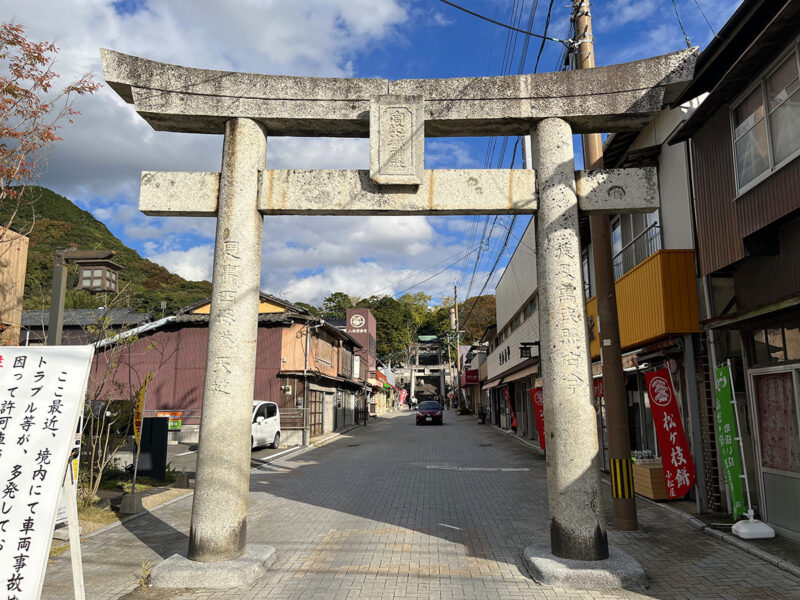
<point>398,511</point>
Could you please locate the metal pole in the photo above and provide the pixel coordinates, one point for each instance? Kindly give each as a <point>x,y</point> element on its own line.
<point>306,436</point>
<point>619,448</point>
<point>738,439</point>
<point>458,350</point>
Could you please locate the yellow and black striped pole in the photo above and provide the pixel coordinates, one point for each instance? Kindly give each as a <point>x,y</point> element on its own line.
<point>621,478</point>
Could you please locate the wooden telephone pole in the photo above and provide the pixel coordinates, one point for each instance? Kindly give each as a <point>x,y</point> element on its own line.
<point>619,446</point>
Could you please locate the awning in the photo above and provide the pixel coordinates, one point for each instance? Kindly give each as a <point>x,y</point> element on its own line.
<point>492,384</point>
<point>532,370</point>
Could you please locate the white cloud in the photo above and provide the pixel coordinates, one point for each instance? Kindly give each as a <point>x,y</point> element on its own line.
<point>194,264</point>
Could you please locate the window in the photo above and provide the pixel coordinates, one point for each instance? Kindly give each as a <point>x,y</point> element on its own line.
<point>777,420</point>
<point>766,123</point>
<point>530,307</point>
<point>272,410</point>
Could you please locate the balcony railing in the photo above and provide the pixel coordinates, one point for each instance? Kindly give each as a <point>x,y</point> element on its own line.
<point>644,245</point>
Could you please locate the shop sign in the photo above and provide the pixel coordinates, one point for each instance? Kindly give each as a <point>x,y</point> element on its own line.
<point>727,436</point>
<point>599,389</point>
<point>537,399</point>
<point>470,377</point>
<point>510,407</point>
<point>175,419</point>
<point>41,396</point>
<point>677,462</point>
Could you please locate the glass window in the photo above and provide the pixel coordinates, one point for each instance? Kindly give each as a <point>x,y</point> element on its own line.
<point>86,273</point>
<point>272,410</point>
<point>784,107</point>
<point>775,345</point>
<point>616,238</point>
<point>113,275</point>
<point>86,283</point>
<point>98,272</point>
<point>750,134</point>
<point>792,339</point>
<point>97,282</point>
<point>760,355</point>
<point>777,420</point>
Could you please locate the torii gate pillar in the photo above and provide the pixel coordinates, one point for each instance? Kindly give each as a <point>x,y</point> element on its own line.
<point>219,511</point>
<point>577,520</point>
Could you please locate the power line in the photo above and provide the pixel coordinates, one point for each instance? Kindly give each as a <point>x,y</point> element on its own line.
<point>432,276</point>
<point>683,29</point>
<point>546,27</point>
<point>700,8</point>
<point>510,27</point>
<point>436,264</point>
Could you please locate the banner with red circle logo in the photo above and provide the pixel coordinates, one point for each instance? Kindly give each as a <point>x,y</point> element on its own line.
<point>537,399</point>
<point>675,457</point>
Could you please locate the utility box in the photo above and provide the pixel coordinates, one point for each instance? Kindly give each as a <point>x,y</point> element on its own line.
<point>153,454</point>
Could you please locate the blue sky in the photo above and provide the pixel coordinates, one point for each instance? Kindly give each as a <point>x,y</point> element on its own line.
<point>98,163</point>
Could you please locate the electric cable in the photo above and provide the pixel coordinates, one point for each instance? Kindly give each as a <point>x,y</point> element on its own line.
<point>429,278</point>
<point>683,29</point>
<point>510,27</point>
<point>700,8</point>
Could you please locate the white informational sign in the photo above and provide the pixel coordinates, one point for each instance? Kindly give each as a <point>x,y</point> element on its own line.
<point>41,395</point>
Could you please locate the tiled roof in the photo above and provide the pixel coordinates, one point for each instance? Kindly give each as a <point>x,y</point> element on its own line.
<point>81,317</point>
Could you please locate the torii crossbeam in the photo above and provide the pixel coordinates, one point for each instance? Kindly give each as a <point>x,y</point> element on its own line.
<point>397,116</point>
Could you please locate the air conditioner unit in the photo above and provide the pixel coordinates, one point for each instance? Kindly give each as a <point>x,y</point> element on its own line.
<point>286,389</point>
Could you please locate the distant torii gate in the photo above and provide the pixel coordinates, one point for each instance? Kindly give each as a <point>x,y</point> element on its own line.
<point>397,116</point>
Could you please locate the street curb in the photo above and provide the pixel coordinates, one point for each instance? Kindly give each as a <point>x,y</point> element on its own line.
<point>728,538</point>
<point>136,516</point>
<point>323,442</point>
<point>162,505</point>
<point>516,438</point>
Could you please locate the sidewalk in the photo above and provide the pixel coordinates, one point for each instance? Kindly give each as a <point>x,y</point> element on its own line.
<point>398,511</point>
<point>778,551</point>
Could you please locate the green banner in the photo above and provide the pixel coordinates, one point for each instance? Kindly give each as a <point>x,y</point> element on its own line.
<point>726,439</point>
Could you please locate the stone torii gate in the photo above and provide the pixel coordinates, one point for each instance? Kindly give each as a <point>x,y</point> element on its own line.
<point>396,116</point>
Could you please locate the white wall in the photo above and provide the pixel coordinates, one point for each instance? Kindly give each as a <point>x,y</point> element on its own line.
<point>519,278</point>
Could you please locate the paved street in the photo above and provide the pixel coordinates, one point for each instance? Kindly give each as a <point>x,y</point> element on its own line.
<point>183,457</point>
<point>398,511</point>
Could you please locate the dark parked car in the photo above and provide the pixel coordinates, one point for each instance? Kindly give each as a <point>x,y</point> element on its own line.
<point>429,412</point>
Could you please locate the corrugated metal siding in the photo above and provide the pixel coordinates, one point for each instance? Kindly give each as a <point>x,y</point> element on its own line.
<point>763,280</point>
<point>772,199</point>
<point>268,361</point>
<point>719,242</point>
<point>656,298</point>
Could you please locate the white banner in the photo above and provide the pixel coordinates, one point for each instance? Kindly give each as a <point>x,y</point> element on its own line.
<point>41,395</point>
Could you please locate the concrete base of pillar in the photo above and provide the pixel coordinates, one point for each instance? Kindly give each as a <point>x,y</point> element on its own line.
<point>179,572</point>
<point>619,571</point>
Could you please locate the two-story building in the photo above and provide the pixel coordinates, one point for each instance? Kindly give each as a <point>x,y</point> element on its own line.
<point>303,364</point>
<point>745,173</point>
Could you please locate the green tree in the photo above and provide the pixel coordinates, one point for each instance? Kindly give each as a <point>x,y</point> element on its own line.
<point>476,314</point>
<point>335,306</point>
<point>391,318</point>
<point>310,308</point>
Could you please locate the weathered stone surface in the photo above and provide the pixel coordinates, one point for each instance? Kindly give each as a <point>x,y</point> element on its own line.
<point>294,192</point>
<point>614,191</point>
<point>179,572</point>
<point>619,571</point>
<point>174,193</point>
<point>605,99</point>
<point>219,513</point>
<point>396,140</point>
<point>577,520</point>
<point>445,191</point>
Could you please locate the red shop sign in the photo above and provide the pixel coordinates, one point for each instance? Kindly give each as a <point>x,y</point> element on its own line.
<point>599,390</point>
<point>677,461</point>
<point>537,399</point>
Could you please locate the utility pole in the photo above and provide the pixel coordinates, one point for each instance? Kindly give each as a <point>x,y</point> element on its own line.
<point>619,447</point>
<point>458,349</point>
<point>55,322</point>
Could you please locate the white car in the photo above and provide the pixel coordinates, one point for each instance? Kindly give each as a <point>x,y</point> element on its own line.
<point>266,425</point>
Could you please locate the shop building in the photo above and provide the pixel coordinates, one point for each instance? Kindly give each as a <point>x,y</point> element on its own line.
<point>301,361</point>
<point>745,159</point>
